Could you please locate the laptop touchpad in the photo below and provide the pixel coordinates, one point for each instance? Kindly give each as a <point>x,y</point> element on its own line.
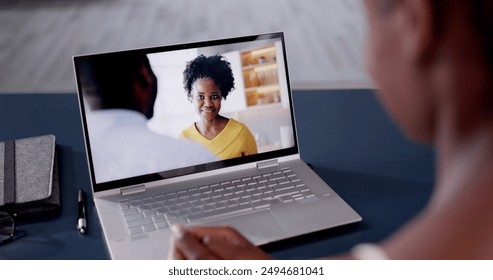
<point>259,228</point>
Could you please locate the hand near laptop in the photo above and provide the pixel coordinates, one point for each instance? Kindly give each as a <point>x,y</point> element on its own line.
<point>212,243</point>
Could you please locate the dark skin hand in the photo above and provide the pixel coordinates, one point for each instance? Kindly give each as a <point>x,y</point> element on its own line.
<point>212,243</point>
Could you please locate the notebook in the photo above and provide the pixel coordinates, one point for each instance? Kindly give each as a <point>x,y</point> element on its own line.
<point>201,133</point>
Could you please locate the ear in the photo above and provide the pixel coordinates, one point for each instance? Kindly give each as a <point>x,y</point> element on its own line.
<point>420,30</point>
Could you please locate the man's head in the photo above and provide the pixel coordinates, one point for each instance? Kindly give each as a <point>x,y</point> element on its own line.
<point>122,81</point>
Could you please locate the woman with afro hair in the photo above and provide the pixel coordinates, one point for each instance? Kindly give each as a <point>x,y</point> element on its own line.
<point>208,80</point>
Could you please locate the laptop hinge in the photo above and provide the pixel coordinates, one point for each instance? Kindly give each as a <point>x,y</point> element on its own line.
<point>266,164</point>
<point>133,189</point>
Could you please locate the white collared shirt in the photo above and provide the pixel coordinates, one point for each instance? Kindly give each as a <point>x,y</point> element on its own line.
<point>122,146</point>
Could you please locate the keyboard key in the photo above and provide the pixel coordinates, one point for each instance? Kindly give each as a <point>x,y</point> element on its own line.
<point>217,195</point>
<point>250,181</point>
<point>231,203</point>
<point>159,198</point>
<point>246,196</point>
<point>135,203</point>
<point>124,205</point>
<point>243,201</point>
<point>283,187</point>
<point>220,205</point>
<point>268,190</point>
<point>196,203</point>
<point>135,230</point>
<point>162,225</point>
<point>230,210</point>
<point>297,195</point>
<point>260,204</point>
<point>179,221</point>
<point>182,203</point>
<point>182,194</point>
<point>195,210</point>
<point>134,217</point>
<point>217,188</point>
<point>283,181</point>
<point>129,211</point>
<point>206,190</point>
<point>149,213</point>
<point>222,200</point>
<point>250,188</point>
<point>183,213</point>
<point>206,208</point>
<point>156,205</point>
<point>145,207</point>
<point>194,192</point>
<point>141,222</point>
<point>261,186</point>
<point>148,228</point>
<point>262,180</point>
<point>228,193</point>
<point>158,219</point>
<point>147,200</point>
<point>171,196</point>
<point>289,174</point>
<point>257,194</point>
<point>309,195</point>
<point>253,199</point>
<point>286,199</point>
<point>240,184</point>
<point>285,192</point>
<point>295,179</point>
<point>171,216</point>
<point>228,186</point>
<point>275,176</point>
<point>193,199</point>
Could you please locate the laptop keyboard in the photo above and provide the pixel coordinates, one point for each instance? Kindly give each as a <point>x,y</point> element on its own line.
<point>215,200</point>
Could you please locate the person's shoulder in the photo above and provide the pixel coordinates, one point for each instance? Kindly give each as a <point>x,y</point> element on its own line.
<point>234,123</point>
<point>237,124</point>
<point>188,132</point>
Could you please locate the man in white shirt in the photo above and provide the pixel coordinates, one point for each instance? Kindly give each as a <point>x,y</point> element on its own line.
<point>122,90</point>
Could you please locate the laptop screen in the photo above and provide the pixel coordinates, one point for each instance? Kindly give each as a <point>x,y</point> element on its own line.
<point>162,112</point>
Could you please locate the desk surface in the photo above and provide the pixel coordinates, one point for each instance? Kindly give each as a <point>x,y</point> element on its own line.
<point>344,134</point>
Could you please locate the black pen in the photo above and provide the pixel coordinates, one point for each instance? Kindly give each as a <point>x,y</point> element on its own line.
<point>81,220</point>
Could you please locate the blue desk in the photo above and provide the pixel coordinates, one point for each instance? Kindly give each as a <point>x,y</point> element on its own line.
<point>344,134</point>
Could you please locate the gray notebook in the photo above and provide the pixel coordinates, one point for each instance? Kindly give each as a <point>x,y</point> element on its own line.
<point>28,176</point>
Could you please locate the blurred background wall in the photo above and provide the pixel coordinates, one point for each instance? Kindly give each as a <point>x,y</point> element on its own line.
<point>39,37</point>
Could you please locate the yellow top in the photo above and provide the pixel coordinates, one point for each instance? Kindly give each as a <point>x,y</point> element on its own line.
<point>235,140</point>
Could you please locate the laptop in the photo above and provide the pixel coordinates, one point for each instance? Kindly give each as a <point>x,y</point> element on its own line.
<point>147,176</point>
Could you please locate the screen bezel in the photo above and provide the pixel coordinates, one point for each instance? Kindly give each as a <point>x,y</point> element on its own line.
<point>143,179</point>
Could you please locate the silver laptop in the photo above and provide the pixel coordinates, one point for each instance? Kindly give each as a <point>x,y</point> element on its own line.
<point>147,174</point>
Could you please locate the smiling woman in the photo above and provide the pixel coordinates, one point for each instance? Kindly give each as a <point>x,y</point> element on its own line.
<point>207,81</point>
